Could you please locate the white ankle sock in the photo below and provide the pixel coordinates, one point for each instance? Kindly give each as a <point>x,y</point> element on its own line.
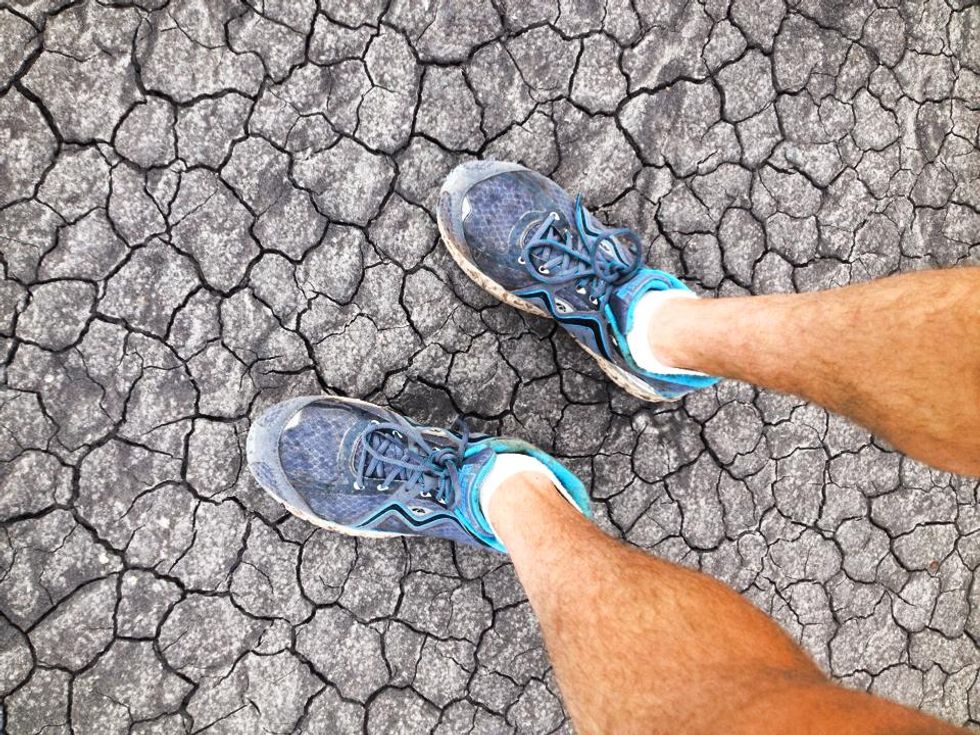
<point>645,313</point>
<point>505,466</point>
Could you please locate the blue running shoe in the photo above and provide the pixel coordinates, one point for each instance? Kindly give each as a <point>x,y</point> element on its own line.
<point>525,240</point>
<point>361,469</point>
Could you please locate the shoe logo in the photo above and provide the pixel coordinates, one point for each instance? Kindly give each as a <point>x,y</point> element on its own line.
<point>404,515</point>
<point>587,320</point>
<point>431,518</point>
<point>563,306</point>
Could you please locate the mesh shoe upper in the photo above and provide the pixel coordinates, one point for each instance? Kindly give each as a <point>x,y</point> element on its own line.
<point>367,470</point>
<point>503,212</point>
<point>528,236</point>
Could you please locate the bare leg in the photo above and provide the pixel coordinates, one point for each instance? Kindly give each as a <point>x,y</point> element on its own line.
<point>640,645</point>
<point>900,356</point>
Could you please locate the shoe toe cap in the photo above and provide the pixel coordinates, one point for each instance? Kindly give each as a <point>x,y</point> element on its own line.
<point>466,175</point>
<point>286,452</point>
<point>456,196</point>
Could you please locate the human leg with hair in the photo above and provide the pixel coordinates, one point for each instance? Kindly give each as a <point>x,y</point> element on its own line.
<point>900,355</point>
<point>641,645</point>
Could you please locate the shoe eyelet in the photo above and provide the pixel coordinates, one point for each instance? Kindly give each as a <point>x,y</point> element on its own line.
<point>594,301</point>
<point>543,271</point>
<point>521,260</point>
<point>358,486</point>
<point>580,290</point>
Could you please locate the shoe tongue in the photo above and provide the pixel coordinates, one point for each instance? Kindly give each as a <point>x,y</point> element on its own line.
<point>473,470</point>
<point>440,438</point>
<point>627,293</point>
<point>474,464</point>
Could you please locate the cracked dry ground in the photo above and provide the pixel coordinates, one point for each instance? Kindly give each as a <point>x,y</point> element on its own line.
<point>207,207</point>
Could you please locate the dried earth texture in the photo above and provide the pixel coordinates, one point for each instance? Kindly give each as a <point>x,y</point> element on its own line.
<point>206,207</point>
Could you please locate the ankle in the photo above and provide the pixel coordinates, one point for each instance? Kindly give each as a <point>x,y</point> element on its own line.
<point>670,335</point>
<point>516,494</point>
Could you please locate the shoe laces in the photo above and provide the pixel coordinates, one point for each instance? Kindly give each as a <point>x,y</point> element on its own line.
<point>595,257</point>
<point>394,452</point>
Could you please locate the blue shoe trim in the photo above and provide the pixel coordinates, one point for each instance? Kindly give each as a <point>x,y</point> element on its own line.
<point>572,484</point>
<point>476,510</point>
<point>415,522</point>
<point>582,319</point>
<point>399,509</point>
<point>655,281</point>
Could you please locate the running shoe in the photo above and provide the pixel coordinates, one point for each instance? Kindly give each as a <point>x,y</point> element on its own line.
<point>364,470</point>
<point>529,243</point>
